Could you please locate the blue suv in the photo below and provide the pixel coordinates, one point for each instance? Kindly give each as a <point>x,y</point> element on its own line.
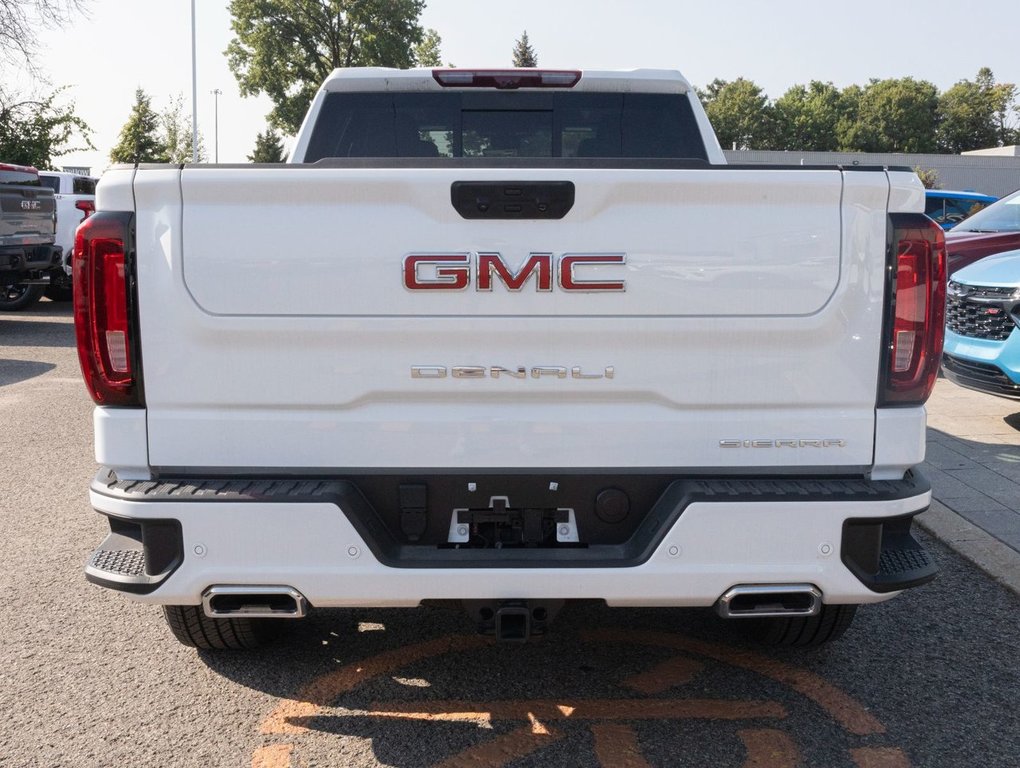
<point>949,208</point>
<point>982,348</point>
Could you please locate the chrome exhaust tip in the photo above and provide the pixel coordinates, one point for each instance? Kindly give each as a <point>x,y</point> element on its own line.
<point>255,602</point>
<point>764,600</point>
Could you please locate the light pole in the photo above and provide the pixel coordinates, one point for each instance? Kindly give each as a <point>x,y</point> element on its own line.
<point>194,90</point>
<point>216,92</point>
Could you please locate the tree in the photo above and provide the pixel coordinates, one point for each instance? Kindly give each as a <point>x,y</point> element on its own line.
<point>807,117</point>
<point>286,48</point>
<point>524,54</point>
<point>427,53</point>
<point>268,148</point>
<point>176,134</point>
<point>741,114</point>
<point>34,131</point>
<point>139,140</point>
<point>975,115</point>
<point>894,115</point>
<point>22,20</point>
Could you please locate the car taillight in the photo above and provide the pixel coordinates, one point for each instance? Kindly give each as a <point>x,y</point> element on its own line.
<point>104,308</point>
<point>915,325</point>
<point>87,207</point>
<point>506,79</point>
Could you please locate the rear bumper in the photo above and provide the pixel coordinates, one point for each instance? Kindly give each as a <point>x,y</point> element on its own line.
<point>983,364</point>
<point>849,538</point>
<point>29,258</point>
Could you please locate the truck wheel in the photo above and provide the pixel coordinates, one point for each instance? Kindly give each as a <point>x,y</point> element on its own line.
<point>19,296</point>
<point>193,628</point>
<point>59,288</point>
<point>801,631</point>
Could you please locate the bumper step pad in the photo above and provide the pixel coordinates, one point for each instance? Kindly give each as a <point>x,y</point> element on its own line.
<point>137,556</point>
<point>885,556</point>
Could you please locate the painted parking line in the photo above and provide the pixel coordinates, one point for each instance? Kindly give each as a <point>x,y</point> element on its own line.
<point>610,721</point>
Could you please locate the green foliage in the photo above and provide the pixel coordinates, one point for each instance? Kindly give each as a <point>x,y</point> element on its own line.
<point>976,115</point>
<point>741,114</point>
<point>929,177</point>
<point>427,53</point>
<point>894,115</point>
<point>524,54</point>
<point>176,134</point>
<point>268,148</point>
<point>139,140</point>
<point>807,117</point>
<point>34,131</point>
<point>286,48</point>
<point>149,136</point>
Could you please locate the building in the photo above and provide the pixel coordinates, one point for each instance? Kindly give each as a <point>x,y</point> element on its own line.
<point>991,171</point>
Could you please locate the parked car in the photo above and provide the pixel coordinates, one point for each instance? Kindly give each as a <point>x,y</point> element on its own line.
<point>76,200</point>
<point>27,230</point>
<point>993,230</point>
<point>948,207</point>
<point>982,347</point>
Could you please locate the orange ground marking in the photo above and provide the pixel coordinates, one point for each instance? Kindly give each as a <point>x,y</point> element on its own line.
<point>590,709</point>
<point>275,756</point>
<point>848,712</point>
<point>327,688</point>
<point>879,757</point>
<point>668,674</point>
<point>616,746</point>
<point>502,749</point>
<point>767,748</point>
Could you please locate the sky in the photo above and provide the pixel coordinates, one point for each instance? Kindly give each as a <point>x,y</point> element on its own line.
<point>125,44</point>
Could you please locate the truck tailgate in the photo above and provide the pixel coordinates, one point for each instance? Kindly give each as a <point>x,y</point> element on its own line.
<point>280,328</point>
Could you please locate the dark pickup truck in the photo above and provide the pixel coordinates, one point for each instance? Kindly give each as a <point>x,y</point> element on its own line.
<point>27,231</point>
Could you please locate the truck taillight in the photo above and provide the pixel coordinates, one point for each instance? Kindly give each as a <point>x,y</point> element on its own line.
<point>104,308</point>
<point>915,325</point>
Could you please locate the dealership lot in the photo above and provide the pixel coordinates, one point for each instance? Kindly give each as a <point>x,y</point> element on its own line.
<point>90,679</point>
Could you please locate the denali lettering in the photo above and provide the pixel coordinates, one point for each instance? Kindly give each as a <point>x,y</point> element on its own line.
<point>453,272</point>
<point>496,372</point>
<point>792,443</point>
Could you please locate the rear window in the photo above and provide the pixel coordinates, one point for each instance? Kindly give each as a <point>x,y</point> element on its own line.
<point>506,125</point>
<point>18,178</point>
<point>83,185</point>
<point>53,182</point>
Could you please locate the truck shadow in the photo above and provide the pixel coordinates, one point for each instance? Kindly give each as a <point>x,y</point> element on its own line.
<point>421,689</point>
<point>978,476</point>
<point>16,332</point>
<point>16,371</point>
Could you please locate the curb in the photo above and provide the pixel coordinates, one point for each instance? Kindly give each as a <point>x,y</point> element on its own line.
<point>998,560</point>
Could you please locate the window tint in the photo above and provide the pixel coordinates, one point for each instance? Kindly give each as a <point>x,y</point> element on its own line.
<point>18,178</point>
<point>488,124</point>
<point>83,185</point>
<point>53,182</point>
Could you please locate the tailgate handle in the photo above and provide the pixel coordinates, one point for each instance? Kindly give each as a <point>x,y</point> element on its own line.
<point>512,199</point>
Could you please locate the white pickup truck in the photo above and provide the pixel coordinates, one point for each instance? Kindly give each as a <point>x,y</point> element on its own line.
<point>76,200</point>
<point>510,338</point>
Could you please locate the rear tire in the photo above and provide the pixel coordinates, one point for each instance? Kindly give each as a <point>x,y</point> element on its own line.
<point>193,628</point>
<point>800,631</point>
<point>14,298</point>
<point>59,288</point>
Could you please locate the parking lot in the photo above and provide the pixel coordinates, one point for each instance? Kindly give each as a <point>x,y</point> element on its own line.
<point>91,679</point>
